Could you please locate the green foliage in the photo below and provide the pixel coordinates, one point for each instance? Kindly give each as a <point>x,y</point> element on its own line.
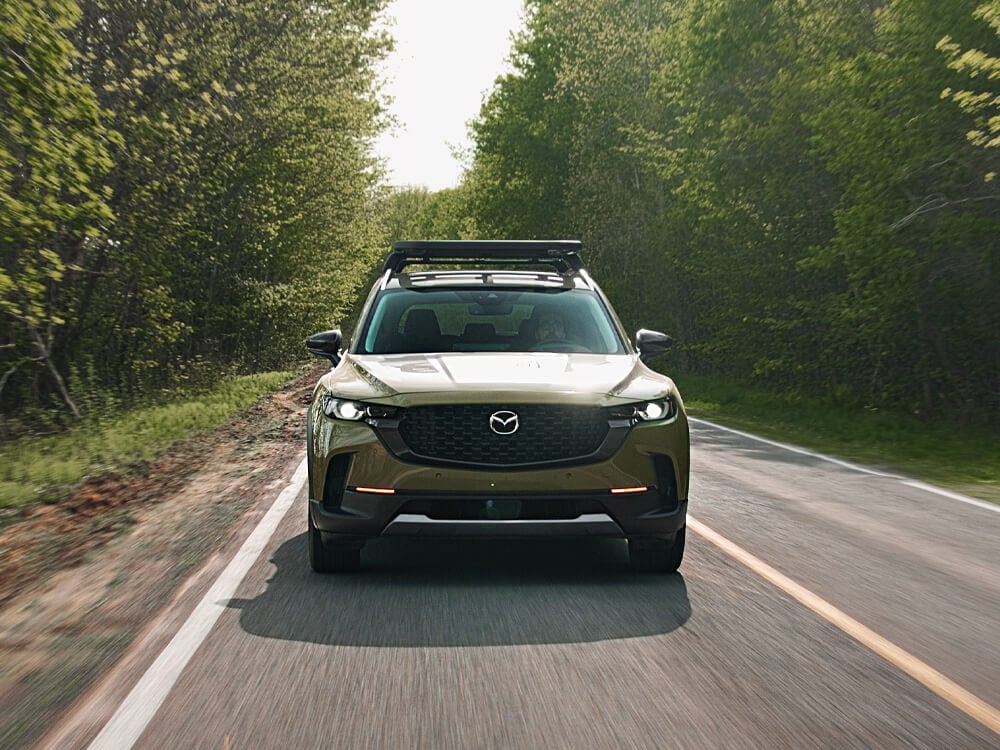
<point>521,167</point>
<point>415,213</point>
<point>803,193</point>
<point>53,208</point>
<point>978,63</point>
<point>781,185</point>
<point>37,468</point>
<point>182,182</point>
<point>917,317</point>
<point>945,454</point>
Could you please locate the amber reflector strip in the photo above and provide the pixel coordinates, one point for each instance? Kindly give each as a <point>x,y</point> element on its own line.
<point>627,490</point>
<point>376,490</point>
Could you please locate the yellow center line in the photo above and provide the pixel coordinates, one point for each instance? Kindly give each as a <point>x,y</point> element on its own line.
<point>926,675</point>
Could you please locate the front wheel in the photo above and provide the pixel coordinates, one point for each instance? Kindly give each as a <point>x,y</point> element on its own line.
<point>330,558</point>
<point>657,555</point>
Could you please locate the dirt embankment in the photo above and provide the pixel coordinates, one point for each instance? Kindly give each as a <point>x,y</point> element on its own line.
<point>79,578</point>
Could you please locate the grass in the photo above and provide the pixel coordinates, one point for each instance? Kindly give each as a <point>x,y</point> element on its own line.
<point>33,469</point>
<point>965,460</point>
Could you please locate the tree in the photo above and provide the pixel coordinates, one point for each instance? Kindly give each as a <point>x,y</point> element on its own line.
<point>914,239</point>
<point>780,184</point>
<point>53,208</point>
<point>234,152</point>
<point>415,213</point>
<point>522,136</point>
<point>985,105</point>
<point>247,129</point>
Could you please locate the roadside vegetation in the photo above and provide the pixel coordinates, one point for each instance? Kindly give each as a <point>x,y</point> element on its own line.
<point>964,460</point>
<point>804,195</point>
<point>181,185</point>
<point>45,468</point>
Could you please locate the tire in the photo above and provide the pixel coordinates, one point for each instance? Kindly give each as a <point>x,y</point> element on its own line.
<point>330,558</point>
<point>656,555</point>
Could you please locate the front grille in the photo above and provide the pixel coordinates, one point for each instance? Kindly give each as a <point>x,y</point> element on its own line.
<point>461,433</point>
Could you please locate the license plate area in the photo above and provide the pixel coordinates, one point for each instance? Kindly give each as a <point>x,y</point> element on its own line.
<point>499,510</point>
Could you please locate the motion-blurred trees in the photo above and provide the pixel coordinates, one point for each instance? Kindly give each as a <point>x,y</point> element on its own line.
<point>783,185</point>
<point>804,193</point>
<point>415,213</point>
<point>232,147</point>
<point>518,185</point>
<point>917,319</point>
<point>53,204</point>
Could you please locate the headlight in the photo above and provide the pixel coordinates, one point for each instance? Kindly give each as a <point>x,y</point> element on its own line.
<point>647,411</point>
<point>354,411</point>
<point>652,411</point>
<point>340,409</point>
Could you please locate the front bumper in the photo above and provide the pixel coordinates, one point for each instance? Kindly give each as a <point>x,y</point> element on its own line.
<point>363,515</point>
<point>359,490</point>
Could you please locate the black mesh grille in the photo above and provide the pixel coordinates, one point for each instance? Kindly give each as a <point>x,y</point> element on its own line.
<point>462,433</point>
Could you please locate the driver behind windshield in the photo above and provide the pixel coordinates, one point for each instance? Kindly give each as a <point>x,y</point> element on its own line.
<point>551,327</point>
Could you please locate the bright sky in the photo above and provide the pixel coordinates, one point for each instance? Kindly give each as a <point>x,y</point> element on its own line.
<point>448,54</point>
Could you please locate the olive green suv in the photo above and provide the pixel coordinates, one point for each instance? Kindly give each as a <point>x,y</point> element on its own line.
<point>489,391</point>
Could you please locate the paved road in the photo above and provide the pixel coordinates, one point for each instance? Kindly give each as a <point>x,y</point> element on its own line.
<point>497,645</point>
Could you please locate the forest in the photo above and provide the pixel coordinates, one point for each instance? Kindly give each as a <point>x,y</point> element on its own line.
<point>186,192</point>
<point>804,195</point>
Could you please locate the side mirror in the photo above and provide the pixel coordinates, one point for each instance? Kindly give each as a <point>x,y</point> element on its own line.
<point>326,344</point>
<point>650,343</point>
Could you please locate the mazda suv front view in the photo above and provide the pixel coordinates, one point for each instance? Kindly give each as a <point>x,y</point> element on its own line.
<point>489,390</point>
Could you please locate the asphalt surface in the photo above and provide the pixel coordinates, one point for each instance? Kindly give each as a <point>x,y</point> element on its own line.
<point>464,644</point>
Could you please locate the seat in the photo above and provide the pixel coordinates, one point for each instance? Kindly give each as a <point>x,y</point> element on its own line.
<point>526,334</point>
<point>421,332</point>
<point>479,333</point>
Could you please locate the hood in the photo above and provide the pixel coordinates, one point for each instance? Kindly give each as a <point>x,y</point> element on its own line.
<point>411,378</point>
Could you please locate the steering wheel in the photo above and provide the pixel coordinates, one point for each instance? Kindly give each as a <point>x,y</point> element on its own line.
<point>558,345</point>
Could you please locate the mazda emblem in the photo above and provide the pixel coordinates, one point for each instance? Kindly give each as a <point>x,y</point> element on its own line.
<point>504,422</point>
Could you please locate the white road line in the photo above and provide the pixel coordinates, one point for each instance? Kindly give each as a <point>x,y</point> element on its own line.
<point>139,707</point>
<point>926,675</point>
<point>952,495</point>
<point>856,467</point>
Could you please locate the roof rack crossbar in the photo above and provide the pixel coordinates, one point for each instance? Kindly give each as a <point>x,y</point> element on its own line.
<point>487,278</point>
<point>562,255</point>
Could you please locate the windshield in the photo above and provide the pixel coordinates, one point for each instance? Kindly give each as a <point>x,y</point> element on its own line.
<point>489,320</point>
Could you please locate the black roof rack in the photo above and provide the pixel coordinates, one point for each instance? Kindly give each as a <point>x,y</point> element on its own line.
<point>562,255</point>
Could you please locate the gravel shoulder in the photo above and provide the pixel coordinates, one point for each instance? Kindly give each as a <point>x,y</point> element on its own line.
<point>80,579</point>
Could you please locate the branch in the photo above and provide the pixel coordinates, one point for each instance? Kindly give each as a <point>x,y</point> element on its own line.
<point>6,375</point>
<point>20,58</point>
<point>46,356</point>
<point>937,203</point>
